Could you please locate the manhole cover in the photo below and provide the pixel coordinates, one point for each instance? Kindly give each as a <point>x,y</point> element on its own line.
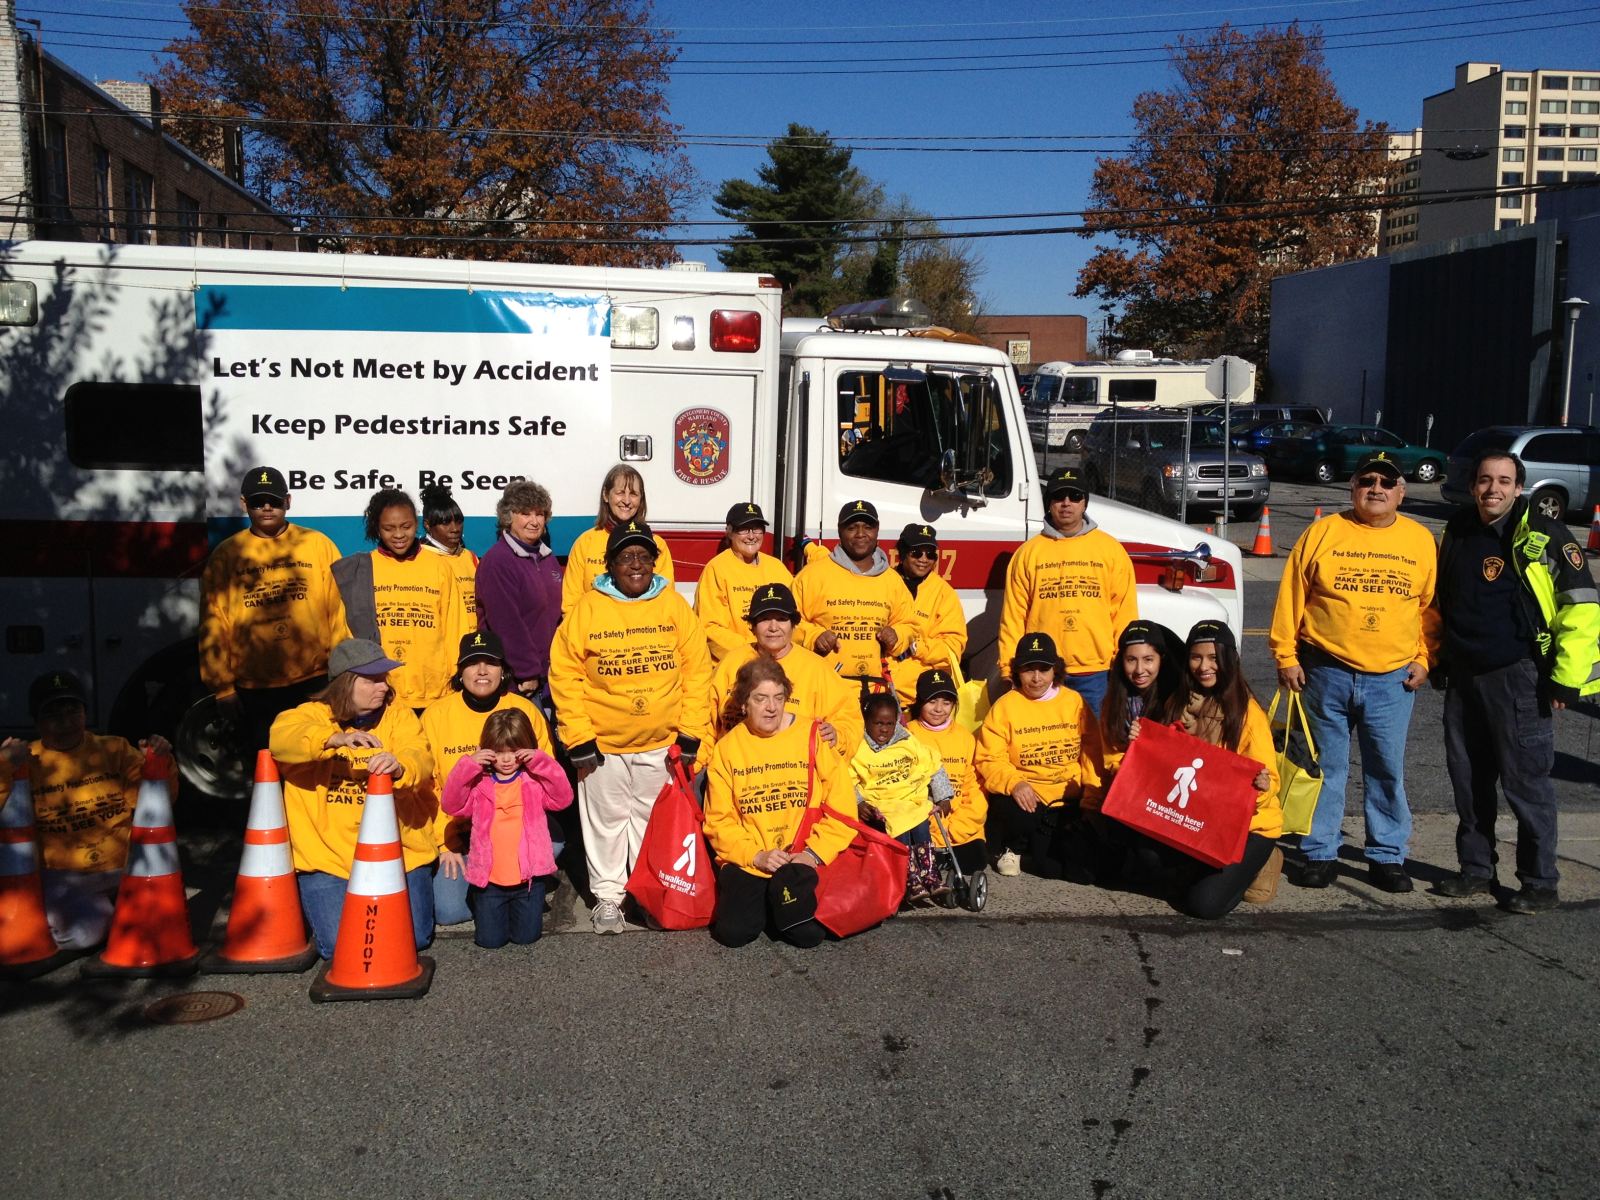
<point>190,1008</point>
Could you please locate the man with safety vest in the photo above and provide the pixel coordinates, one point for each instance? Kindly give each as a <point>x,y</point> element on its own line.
<point>1521,626</point>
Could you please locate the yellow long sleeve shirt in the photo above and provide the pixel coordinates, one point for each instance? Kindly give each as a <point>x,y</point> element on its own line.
<point>631,674</point>
<point>756,795</point>
<point>269,610</point>
<point>1080,590</point>
<point>586,562</point>
<point>816,693</point>
<point>83,801</point>
<point>1052,744</point>
<point>464,564</point>
<point>942,639</point>
<point>420,623</point>
<point>894,779</point>
<point>722,597</point>
<point>970,808</point>
<point>854,607</point>
<point>325,791</point>
<point>453,729</point>
<point>1360,594</point>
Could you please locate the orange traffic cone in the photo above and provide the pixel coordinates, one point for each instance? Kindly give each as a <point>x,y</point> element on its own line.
<point>266,930</point>
<point>1317,516</point>
<point>26,947</point>
<point>1594,532</point>
<point>150,929</point>
<point>1262,546</point>
<point>375,956</point>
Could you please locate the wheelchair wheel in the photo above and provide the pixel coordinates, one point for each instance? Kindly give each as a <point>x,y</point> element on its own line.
<point>977,891</point>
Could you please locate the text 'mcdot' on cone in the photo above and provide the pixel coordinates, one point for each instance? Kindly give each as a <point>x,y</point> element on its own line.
<point>150,927</point>
<point>375,956</point>
<point>266,928</point>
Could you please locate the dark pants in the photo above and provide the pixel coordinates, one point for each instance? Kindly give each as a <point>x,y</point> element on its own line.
<point>259,708</point>
<point>1497,729</point>
<point>1199,889</point>
<point>748,904</point>
<point>507,913</point>
<point>1050,840</point>
<point>972,856</point>
<point>917,835</point>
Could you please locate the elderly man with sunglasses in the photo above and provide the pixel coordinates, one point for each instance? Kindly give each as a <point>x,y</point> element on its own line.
<point>1354,631</point>
<point>270,611</point>
<point>1074,581</point>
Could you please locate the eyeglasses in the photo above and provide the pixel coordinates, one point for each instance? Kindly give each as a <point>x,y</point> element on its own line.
<point>1072,494</point>
<point>922,552</point>
<point>264,501</point>
<point>1383,482</point>
<point>635,558</point>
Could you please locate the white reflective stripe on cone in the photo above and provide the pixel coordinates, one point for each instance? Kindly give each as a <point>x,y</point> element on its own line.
<point>154,808</point>
<point>153,858</point>
<point>17,812</point>
<point>266,807</point>
<point>18,858</point>
<point>266,861</point>
<point>380,830</point>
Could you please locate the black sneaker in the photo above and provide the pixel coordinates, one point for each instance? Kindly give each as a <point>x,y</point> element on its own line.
<point>1389,877</point>
<point>1318,873</point>
<point>1459,887</point>
<point>1532,900</point>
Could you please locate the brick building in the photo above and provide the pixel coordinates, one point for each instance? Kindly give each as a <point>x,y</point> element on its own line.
<point>91,164</point>
<point>1030,340</point>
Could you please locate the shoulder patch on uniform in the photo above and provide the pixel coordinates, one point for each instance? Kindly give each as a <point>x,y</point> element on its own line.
<point>1573,555</point>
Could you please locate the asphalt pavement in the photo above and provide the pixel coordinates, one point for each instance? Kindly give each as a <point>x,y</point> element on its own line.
<point>1067,1041</point>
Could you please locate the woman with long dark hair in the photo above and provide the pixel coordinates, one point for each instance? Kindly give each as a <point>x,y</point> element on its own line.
<point>1146,680</point>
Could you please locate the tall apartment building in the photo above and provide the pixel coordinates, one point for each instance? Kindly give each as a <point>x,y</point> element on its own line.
<point>86,162</point>
<point>1504,129</point>
<point>1398,225</point>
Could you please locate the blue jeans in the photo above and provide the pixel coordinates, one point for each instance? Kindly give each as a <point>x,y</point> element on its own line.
<point>322,900</point>
<point>1378,708</point>
<point>1092,687</point>
<point>449,898</point>
<point>513,913</point>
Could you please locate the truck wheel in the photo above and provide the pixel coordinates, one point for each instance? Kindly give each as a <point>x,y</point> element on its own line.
<point>166,696</point>
<point>1250,512</point>
<point>1324,472</point>
<point>1549,502</point>
<point>1427,470</point>
<point>1075,442</point>
<point>209,758</point>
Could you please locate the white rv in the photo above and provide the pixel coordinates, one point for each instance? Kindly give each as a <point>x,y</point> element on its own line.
<point>137,384</point>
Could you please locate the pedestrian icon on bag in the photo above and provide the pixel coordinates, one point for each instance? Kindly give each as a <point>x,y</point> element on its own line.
<point>1185,784</point>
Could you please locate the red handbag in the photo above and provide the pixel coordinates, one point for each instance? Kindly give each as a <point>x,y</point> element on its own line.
<point>1185,793</point>
<point>673,878</point>
<point>864,885</point>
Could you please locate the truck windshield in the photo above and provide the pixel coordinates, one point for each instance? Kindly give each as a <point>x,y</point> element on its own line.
<point>898,429</point>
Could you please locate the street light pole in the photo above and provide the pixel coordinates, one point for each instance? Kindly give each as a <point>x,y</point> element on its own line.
<point>1574,306</point>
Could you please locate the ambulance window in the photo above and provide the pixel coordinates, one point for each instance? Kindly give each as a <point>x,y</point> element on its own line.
<point>134,426</point>
<point>886,430</point>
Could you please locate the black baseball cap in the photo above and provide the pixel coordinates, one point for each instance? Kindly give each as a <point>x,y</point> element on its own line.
<point>1064,479</point>
<point>743,516</point>
<point>1210,631</point>
<point>772,598</point>
<point>916,535</point>
<point>1034,649</point>
<point>858,510</point>
<point>633,533</point>
<point>53,686</point>
<point>264,481</point>
<point>485,643</point>
<point>1378,461</point>
<point>1147,633</point>
<point>935,682</point>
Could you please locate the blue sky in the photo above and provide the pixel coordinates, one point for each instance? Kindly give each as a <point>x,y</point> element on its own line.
<point>1384,57</point>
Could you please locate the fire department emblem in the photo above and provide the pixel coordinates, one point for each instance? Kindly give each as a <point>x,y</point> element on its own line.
<point>1574,555</point>
<point>1492,568</point>
<point>700,446</point>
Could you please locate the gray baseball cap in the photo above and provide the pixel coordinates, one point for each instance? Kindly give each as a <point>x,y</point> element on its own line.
<point>361,656</point>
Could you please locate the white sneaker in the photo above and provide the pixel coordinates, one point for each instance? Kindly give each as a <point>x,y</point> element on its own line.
<point>1008,864</point>
<point>606,917</point>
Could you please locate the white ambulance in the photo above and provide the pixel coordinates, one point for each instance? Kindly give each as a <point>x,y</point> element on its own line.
<point>137,383</point>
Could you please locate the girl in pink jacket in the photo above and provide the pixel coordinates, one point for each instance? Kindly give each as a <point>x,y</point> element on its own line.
<point>506,789</point>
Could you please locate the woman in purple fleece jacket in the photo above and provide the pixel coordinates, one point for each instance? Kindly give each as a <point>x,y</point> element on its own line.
<point>519,585</point>
<point>505,789</point>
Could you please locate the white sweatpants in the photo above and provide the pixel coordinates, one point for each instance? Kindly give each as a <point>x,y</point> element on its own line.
<point>614,806</point>
<point>79,906</point>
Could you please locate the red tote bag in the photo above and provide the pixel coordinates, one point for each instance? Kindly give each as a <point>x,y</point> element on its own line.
<point>1185,793</point>
<point>864,885</point>
<point>673,879</point>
